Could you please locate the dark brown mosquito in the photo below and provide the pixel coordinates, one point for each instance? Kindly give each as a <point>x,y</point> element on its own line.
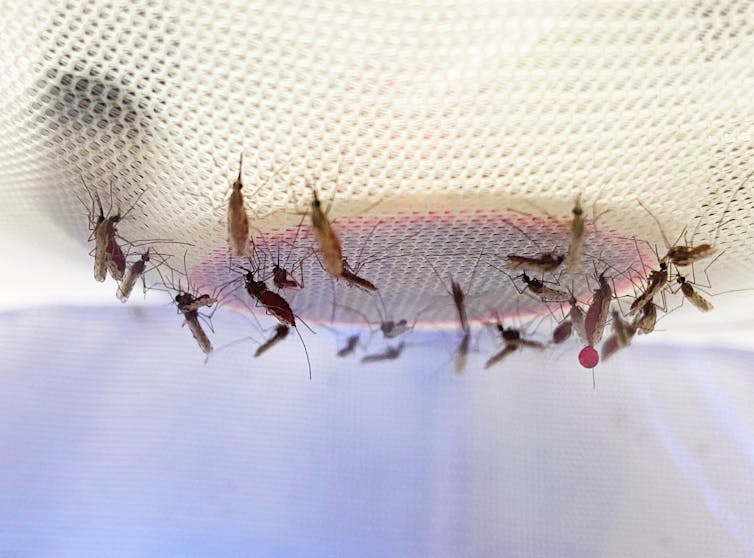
<point>281,332</point>
<point>350,346</point>
<point>188,305</point>
<point>275,305</point>
<point>512,341</point>
<point>693,296</point>
<point>390,353</point>
<point>657,279</point>
<point>543,262</point>
<point>644,323</point>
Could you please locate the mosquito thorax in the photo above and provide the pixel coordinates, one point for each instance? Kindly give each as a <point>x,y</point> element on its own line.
<point>510,334</point>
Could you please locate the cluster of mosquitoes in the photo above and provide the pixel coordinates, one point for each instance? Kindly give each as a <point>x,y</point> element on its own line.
<point>589,320</point>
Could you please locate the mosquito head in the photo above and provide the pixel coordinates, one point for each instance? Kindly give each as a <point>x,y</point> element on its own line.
<point>577,210</point>
<point>387,327</point>
<point>315,199</point>
<point>510,334</point>
<point>238,184</point>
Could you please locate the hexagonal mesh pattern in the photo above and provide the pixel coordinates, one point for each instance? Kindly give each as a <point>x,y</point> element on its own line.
<point>449,114</point>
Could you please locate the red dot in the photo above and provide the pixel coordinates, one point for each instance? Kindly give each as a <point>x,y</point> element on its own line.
<point>589,357</point>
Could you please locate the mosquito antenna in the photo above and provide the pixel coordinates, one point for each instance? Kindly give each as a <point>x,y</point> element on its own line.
<point>519,229</point>
<point>727,206</point>
<point>133,205</point>
<point>656,220</point>
<point>306,351</point>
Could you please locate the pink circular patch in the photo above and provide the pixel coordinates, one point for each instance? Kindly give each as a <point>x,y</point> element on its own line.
<point>589,357</point>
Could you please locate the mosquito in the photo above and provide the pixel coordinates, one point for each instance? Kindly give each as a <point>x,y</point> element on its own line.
<point>350,273</point>
<point>693,296</point>
<point>350,346</point>
<point>391,353</point>
<point>281,332</point>
<point>238,219</point>
<point>621,337</point>
<point>545,294</point>
<point>644,323</point>
<point>108,255</point>
<point>133,274</point>
<point>685,255</point>
<point>596,314</point>
<point>275,305</point>
<point>657,279</point>
<point>578,235</point>
<point>573,321</point>
<point>562,332</point>
<point>188,305</point>
<point>543,262</point>
<point>281,277</point>
<point>512,341</point>
<point>350,277</point>
<point>578,238</point>
<point>459,301</point>
<point>329,243</point>
<point>395,328</point>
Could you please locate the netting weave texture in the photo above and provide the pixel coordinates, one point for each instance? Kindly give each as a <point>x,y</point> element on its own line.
<point>447,113</point>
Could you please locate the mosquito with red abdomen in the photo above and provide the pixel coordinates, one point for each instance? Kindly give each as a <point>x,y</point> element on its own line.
<point>274,304</point>
<point>571,322</point>
<point>623,333</point>
<point>108,255</point>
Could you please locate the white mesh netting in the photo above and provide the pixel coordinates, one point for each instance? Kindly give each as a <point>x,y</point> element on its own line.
<point>450,113</point>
